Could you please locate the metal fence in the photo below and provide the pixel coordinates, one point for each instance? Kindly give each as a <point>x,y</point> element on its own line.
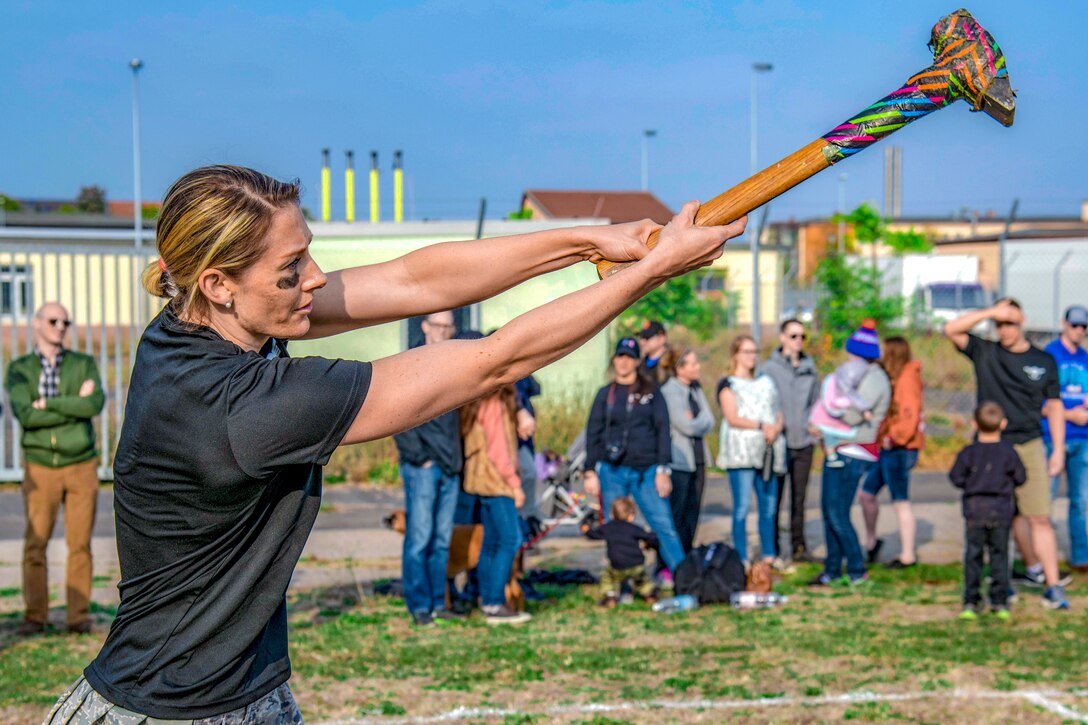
<point>100,286</point>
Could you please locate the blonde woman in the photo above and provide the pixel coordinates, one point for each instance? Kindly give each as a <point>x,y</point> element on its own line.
<point>751,425</point>
<point>218,469</point>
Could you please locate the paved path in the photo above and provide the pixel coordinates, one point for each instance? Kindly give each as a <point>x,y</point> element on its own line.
<point>350,546</point>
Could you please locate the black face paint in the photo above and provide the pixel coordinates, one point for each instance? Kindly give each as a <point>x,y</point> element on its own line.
<point>289,282</point>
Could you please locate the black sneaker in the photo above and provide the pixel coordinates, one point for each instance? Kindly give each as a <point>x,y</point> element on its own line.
<point>505,615</point>
<point>448,615</point>
<point>898,564</point>
<point>1030,579</point>
<point>422,619</point>
<point>872,554</point>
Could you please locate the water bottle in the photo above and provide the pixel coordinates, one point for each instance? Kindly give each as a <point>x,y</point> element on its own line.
<point>756,600</point>
<point>672,605</point>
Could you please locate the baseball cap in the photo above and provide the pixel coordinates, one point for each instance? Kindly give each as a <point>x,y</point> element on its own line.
<point>1076,315</point>
<point>651,328</point>
<point>628,346</point>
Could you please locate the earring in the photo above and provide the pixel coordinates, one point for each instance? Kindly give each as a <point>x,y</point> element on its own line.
<point>229,303</point>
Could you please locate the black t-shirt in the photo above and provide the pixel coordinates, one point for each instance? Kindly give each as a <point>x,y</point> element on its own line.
<point>622,539</point>
<point>217,483</point>
<point>1020,382</point>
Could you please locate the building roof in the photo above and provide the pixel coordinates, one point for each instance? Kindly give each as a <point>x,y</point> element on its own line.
<point>617,206</point>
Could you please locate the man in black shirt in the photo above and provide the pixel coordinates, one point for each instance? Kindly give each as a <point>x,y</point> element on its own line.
<point>1023,380</point>
<point>430,465</point>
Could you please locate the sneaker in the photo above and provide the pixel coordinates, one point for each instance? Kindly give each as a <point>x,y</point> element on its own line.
<point>898,564</point>
<point>1038,579</point>
<point>872,554</point>
<point>821,580</point>
<point>664,580</point>
<point>804,557</point>
<point>856,581</point>
<point>969,613</point>
<point>1054,598</point>
<point>448,615</point>
<point>1002,613</point>
<point>505,615</point>
<point>422,619</point>
<point>834,463</point>
<point>782,566</point>
<point>627,598</point>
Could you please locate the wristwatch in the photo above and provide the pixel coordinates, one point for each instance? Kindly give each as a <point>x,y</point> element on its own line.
<point>664,469</point>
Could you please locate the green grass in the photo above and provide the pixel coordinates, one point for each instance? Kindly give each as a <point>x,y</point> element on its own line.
<point>898,634</point>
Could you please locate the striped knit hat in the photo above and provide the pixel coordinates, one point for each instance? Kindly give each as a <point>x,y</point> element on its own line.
<point>864,342</point>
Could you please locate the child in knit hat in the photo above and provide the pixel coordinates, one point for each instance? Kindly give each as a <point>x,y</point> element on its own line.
<point>840,408</point>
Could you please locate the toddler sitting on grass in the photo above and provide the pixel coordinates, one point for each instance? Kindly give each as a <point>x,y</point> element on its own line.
<point>624,541</point>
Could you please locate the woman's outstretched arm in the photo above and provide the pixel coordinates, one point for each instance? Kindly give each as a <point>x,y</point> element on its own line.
<point>419,384</point>
<point>453,274</point>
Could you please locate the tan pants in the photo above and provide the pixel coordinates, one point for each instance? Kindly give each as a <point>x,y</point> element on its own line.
<point>44,490</point>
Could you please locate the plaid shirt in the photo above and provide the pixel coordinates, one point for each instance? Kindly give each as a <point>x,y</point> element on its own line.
<point>49,381</point>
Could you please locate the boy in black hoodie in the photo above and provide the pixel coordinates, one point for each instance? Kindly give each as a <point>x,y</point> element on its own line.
<point>624,541</point>
<point>988,471</point>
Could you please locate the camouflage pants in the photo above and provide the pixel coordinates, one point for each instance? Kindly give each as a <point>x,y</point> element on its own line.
<point>81,705</point>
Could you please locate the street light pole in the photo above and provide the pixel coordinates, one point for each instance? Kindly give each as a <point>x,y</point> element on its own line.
<point>842,210</point>
<point>137,218</point>
<point>646,136</point>
<point>757,323</point>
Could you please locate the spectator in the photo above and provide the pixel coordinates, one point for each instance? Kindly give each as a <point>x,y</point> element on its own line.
<point>624,541</point>
<point>217,474</point>
<point>751,427</point>
<point>1072,362</point>
<point>838,485</point>
<point>628,448</point>
<point>901,437</point>
<point>54,393</point>
<point>430,466</point>
<point>528,388</point>
<point>988,471</point>
<point>690,419</point>
<point>654,342</point>
<point>794,374</point>
<point>489,427</point>
<point>1022,379</point>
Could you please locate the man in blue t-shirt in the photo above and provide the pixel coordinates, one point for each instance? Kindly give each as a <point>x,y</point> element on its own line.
<point>1072,362</point>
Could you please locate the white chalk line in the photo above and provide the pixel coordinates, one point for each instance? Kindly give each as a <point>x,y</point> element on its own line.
<point>1041,698</point>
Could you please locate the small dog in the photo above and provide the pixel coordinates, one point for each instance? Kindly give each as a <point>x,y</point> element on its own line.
<point>466,541</point>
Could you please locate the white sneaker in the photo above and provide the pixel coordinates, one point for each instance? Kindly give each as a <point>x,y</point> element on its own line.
<point>505,615</point>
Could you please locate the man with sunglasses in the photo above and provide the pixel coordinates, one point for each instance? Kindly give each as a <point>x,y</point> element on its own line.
<point>1072,362</point>
<point>1023,380</point>
<point>794,373</point>
<point>55,393</point>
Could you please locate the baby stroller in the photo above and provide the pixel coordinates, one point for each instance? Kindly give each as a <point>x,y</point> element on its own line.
<point>559,502</point>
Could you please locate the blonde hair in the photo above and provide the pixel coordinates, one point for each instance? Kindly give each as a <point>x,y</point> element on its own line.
<point>212,217</point>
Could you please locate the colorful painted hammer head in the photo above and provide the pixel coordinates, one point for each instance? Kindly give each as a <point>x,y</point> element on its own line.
<point>967,64</point>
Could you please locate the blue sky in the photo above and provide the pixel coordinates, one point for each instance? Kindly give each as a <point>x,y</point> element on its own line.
<point>489,98</point>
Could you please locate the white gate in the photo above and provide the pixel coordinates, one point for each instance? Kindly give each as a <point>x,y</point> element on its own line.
<point>96,275</point>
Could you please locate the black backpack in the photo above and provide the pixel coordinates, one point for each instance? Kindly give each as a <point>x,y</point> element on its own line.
<point>711,573</point>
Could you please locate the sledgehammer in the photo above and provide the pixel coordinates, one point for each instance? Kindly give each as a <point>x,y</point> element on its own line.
<point>967,64</point>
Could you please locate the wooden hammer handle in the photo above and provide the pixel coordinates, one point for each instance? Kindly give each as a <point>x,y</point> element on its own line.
<point>749,194</point>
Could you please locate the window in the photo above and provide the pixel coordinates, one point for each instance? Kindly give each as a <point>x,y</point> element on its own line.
<point>16,289</point>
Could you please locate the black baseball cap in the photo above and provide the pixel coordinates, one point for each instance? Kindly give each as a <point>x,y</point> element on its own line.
<point>628,346</point>
<point>651,328</point>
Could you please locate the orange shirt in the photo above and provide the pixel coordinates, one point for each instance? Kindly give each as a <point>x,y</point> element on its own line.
<point>904,423</point>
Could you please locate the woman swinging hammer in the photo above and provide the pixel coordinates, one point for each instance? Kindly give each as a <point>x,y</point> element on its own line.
<point>218,468</point>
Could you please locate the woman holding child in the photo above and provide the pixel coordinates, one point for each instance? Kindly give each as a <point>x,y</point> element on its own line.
<point>751,446</point>
<point>839,483</point>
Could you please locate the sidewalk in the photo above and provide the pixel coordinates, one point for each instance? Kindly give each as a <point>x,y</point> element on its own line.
<point>349,545</point>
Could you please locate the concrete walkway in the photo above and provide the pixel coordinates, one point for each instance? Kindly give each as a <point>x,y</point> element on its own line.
<point>349,545</point>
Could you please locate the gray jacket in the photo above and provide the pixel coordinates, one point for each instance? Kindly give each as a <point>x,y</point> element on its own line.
<point>682,427</point>
<point>877,390</point>
<point>798,390</point>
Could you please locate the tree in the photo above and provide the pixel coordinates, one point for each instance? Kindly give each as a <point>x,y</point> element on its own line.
<point>676,302</point>
<point>525,213</point>
<point>91,200</point>
<point>869,228</point>
<point>851,292</point>
<point>10,204</point>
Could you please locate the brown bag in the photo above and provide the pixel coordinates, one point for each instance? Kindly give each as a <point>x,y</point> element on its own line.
<point>481,478</point>
<point>759,577</point>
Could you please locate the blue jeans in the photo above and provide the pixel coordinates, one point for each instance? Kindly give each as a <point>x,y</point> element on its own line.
<point>502,539</point>
<point>430,498</point>
<point>892,470</point>
<point>619,481</point>
<point>838,486</point>
<point>1076,476</point>
<point>743,481</point>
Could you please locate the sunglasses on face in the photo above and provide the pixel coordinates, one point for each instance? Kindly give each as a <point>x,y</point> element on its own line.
<point>797,336</point>
<point>58,323</point>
